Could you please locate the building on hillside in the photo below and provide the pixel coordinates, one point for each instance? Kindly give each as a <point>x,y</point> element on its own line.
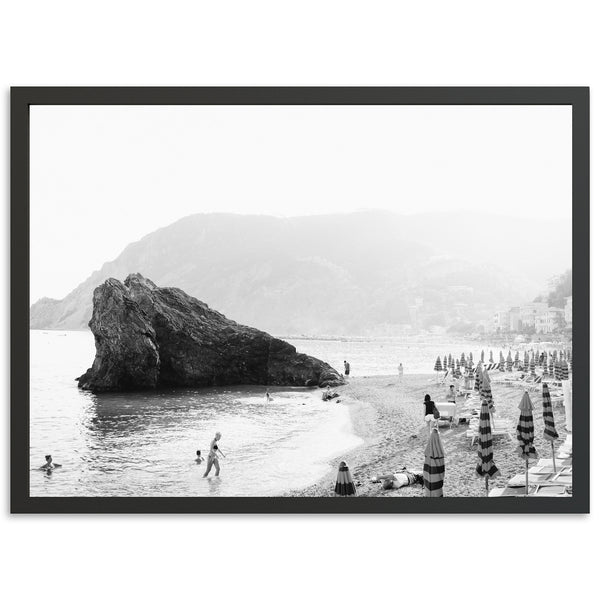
<point>569,311</point>
<point>550,320</point>
<point>514,319</point>
<point>500,321</point>
<point>530,311</point>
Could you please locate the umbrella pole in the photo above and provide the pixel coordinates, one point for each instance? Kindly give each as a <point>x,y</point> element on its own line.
<point>527,476</point>
<point>487,485</point>
<point>553,459</point>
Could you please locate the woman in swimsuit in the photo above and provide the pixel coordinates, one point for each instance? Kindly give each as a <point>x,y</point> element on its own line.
<point>213,458</point>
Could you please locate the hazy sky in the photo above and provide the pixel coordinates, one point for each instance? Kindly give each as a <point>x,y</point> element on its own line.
<point>104,176</point>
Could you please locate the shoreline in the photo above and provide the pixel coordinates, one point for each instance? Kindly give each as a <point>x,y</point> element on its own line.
<point>388,416</point>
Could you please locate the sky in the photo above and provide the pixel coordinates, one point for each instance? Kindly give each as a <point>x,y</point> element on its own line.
<point>104,176</point>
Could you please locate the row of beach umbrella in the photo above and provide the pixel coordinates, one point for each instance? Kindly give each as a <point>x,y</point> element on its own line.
<point>434,466</point>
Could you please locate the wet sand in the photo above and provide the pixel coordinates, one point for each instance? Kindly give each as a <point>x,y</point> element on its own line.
<point>388,416</point>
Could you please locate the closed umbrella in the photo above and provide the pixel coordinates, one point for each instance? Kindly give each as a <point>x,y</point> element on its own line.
<point>477,378</point>
<point>434,467</point>
<point>445,363</point>
<point>536,357</point>
<point>550,432</point>
<point>491,357</point>
<point>545,365</point>
<point>509,362</point>
<point>526,362</point>
<point>551,367</point>
<point>517,362</point>
<point>463,360</point>
<point>482,356</point>
<point>344,486</point>
<point>437,367</point>
<point>525,435</point>
<point>485,390</point>
<point>485,454</point>
<point>501,362</point>
<point>471,357</point>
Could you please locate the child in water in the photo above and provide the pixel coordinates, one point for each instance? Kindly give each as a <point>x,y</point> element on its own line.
<point>49,466</point>
<point>199,458</point>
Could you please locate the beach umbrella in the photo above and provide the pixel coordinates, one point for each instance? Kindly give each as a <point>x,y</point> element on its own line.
<point>532,364</point>
<point>434,468</point>
<point>482,356</point>
<point>471,357</point>
<point>438,364</point>
<point>555,355</point>
<point>485,390</point>
<point>463,360</point>
<point>550,432</point>
<point>536,357</point>
<point>551,367</point>
<point>545,365</point>
<point>485,453</point>
<point>491,357</point>
<point>517,362</point>
<point>477,378</point>
<point>501,362</point>
<point>509,362</point>
<point>525,435</point>
<point>526,361</point>
<point>445,363</point>
<point>344,486</point>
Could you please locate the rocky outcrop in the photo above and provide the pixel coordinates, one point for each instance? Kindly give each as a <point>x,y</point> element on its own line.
<point>149,337</point>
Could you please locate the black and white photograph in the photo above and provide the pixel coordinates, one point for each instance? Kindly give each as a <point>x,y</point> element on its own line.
<point>302,301</point>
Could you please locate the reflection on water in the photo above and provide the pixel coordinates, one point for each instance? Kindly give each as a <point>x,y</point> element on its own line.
<point>144,444</point>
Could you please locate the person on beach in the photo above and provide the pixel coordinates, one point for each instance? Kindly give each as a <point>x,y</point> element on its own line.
<point>49,466</point>
<point>199,457</point>
<point>346,368</point>
<point>431,412</point>
<point>269,398</point>
<point>451,395</point>
<point>400,371</point>
<point>213,457</point>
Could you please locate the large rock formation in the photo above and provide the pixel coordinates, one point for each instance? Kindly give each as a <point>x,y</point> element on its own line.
<point>149,337</point>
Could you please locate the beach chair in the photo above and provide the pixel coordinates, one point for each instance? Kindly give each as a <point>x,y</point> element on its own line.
<point>447,411</point>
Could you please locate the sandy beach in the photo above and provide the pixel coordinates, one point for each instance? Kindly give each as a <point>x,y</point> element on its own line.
<point>388,416</point>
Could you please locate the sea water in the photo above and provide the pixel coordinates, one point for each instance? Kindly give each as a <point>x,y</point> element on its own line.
<point>144,443</point>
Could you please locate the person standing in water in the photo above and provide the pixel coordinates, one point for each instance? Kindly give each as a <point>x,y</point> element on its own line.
<point>213,457</point>
<point>49,464</point>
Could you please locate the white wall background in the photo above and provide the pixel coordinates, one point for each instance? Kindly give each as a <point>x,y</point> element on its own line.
<point>300,43</point>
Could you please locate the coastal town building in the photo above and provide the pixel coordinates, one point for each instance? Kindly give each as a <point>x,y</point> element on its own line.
<point>569,311</point>
<point>501,321</point>
<point>530,311</point>
<point>550,320</point>
<point>514,319</point>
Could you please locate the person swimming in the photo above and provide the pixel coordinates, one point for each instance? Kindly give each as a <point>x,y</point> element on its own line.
<point>213,457</point>
<point>269,398</point>
<point>49,466</point>
<point>199,457</point>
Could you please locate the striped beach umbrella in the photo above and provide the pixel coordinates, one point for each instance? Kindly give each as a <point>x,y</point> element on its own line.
<point>477,385</point>
<point>550,432</point>
<point>344,486</point>
<point>485,452</point>
<point>526,361</point>
<point>463,360</point>
<point>501,362</point>
<point>532,364</point>
<point>445,363</point>
<point>434,467</point>
<point>509,362</point>
<point>438,364</point>
<point>545,365</point>
<point>555,355</point>
<point>449,359</point>
<point>491,357</point>
<point>471,357</point>
<point>536,357</point>
<point>551,366</point>
<point>485,390</point>
<point>525,435</point>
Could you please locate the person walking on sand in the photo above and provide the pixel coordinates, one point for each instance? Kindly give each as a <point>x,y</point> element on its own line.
<point>400,371</point>
<point>431,412</point>
<point>346,368</point>
<point>213,457</point>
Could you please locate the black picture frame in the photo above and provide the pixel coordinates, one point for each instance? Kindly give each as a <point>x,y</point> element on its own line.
<point>24,97</point>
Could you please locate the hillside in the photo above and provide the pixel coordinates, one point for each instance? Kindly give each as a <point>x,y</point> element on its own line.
<point>352,274</point>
